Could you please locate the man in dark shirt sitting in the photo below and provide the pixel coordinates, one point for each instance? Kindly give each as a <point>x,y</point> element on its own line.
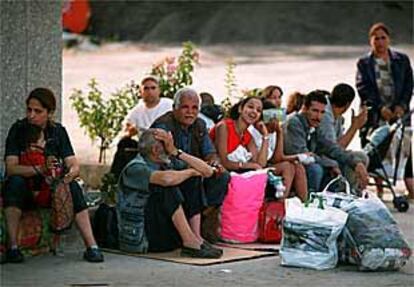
<point>190,135</point>
<point>159,199</point>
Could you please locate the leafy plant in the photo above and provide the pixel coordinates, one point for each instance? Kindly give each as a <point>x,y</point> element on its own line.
<point>231,86</point>
<point>251,92</point>
<point>176,73</point>
<point>102,119</point>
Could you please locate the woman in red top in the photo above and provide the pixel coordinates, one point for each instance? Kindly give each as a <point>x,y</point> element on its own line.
<point>232,132</point>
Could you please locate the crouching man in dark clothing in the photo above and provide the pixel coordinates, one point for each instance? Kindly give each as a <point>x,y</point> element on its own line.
<point>190,134</point>
<point>160,199</point>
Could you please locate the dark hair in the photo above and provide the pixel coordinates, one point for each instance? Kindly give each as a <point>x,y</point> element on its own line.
<point>342,95</point>
<point>378,26</point>
<point>316,96</point>
<point>206,98</point>
<point>234,111</point>
<point>30,133</point>
<point>299,99</point>
<point>45,97</point>
<point>269,90</point>
<point>268,105</point>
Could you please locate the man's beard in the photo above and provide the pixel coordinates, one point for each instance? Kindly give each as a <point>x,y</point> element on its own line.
<point>163,156</point>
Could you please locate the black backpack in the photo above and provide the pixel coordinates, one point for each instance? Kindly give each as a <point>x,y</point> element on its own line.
<point>126,151</point>
<point>105,226</point>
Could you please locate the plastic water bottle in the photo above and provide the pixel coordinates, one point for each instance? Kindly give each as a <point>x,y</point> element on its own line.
<point>277,183</point>
<point>279,187</point>
<point>61,247</point>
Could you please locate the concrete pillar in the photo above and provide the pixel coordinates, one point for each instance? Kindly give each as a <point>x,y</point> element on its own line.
<point>30,56</point>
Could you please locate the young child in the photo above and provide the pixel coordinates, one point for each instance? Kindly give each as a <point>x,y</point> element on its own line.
<point>34,155</point>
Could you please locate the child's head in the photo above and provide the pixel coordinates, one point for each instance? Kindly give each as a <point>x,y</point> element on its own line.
<point>32,134</point>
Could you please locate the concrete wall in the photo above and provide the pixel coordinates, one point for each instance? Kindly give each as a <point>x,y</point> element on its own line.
<point>30,56</point>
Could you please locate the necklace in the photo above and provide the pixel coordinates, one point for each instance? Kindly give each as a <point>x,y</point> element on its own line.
<point>239,131</point>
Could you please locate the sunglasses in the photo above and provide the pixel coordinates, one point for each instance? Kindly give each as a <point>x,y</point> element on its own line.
<point>149,88</point>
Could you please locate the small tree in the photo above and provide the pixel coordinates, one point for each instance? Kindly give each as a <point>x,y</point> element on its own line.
<point>175,74</point>
<point>102,119</point>
<point>230,84</point>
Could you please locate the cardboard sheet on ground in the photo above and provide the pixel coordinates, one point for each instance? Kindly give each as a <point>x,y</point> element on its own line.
<point>256,246</point>
<point>229,255</point>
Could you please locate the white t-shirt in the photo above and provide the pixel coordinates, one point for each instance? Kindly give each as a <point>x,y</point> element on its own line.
<point>257,136</point>
<point>209,122</point>
<point>142,117</point>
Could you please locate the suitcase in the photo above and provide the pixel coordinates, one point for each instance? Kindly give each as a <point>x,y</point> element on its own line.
<point>271,217</point>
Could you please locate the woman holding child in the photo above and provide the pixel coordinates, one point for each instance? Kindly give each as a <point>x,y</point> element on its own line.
<point>24,168</point>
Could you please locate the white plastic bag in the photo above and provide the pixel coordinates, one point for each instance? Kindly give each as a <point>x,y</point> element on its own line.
<point>371,238</point>
<point>310,234</point>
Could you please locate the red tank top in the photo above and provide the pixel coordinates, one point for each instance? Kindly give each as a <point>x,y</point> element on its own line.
<point>233,138</point>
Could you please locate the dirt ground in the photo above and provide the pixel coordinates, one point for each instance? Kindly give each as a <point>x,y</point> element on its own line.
<point>294,68</point>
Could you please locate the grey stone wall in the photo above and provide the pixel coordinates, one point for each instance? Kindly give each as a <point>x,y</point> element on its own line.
<point>30,56</point>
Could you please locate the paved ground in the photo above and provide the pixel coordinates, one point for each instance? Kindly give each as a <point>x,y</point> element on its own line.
<point>118,270</point>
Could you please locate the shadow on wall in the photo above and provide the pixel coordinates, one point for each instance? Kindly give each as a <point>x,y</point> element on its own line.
<point>328,22</point>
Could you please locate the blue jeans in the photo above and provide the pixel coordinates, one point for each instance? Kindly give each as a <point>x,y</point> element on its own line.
<point>314,174</point>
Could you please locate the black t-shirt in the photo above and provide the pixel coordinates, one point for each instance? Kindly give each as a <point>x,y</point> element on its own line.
<point>57,140</point>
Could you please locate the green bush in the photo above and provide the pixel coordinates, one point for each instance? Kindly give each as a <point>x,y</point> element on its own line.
<point>102,119</point>
<point>175,74</point>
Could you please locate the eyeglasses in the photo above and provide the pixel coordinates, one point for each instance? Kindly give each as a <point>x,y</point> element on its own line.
<point>146,88</point>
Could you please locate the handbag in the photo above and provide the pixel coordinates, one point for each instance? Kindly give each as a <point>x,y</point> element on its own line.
<point>105,226</point>
<point>271,218</point>
<point>240,208</point>
<point>62,207</point>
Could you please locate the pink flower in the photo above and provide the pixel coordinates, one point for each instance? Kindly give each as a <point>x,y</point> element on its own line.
<point>171,68</point>
<point>196,57</point>
<point>169,60</point>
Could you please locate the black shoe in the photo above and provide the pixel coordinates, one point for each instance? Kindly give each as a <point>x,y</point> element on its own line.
<point>14,256</point>
<point>203,252</point>
<point>93,255</point>
<point>207,245</point>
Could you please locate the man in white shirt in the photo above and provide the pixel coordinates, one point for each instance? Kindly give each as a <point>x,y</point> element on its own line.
<point>149,108</point>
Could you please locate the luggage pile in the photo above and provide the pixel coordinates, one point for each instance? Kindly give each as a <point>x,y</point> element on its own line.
<point>365,235</point>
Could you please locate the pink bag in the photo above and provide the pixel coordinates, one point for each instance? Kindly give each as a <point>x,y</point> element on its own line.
<point>241,206</point>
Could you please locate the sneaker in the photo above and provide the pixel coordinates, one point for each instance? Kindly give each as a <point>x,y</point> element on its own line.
<point>203,252</point>
<point>93,255</point>
<point>14,256</point>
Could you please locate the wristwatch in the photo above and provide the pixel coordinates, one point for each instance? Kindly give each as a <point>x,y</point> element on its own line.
<point>177,153</point>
